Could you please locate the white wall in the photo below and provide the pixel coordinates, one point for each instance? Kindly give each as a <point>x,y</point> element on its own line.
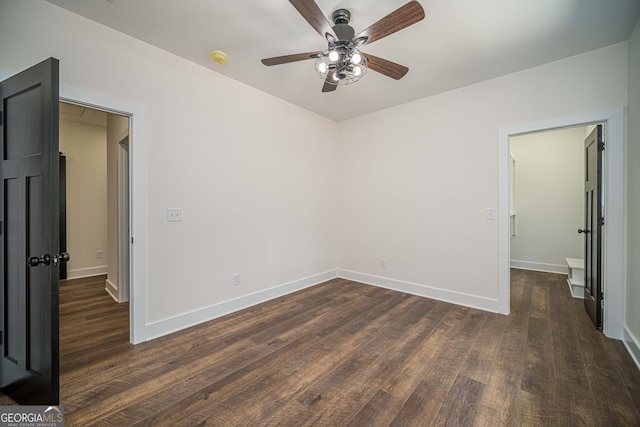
<point>417,178</point>
<point>549,199</point>
<point>256,177</point>
<point>85,148</point>
<point>632,312</point>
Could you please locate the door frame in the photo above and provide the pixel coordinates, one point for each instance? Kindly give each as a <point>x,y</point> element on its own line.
<point>137,254</point>
<point>614,242</point>
<point>123,219</point>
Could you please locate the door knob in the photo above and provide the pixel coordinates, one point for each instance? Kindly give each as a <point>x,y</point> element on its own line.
<point>47,259</point>
<point>34,261</point>
<point>61,257</point>
<point>585,231</point>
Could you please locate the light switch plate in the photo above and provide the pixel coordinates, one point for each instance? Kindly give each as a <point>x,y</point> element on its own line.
<point>491,213</point>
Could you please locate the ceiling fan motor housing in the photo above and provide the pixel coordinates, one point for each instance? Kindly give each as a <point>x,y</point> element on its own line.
<point>343,30</point>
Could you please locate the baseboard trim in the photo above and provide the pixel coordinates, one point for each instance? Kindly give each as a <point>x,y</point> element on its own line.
<point>111,289</point>
<point>538,266</point>
<point>459,298</point>
<point>86,272</point>
<point>177,323</point>
<point>632,344</point>
<point>167,326</point>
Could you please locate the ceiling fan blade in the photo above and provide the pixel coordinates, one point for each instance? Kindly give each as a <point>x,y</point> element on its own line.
<point>328,87</point>
<point>310,11</point>
<point>386,67</point>
<point>277,60</point>
<point>397,20</point>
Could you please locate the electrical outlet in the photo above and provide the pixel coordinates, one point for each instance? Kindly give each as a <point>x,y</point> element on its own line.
<point>383,263</point>
<point>99,254</point>
<point>491,214</point>
<point>236,279</point>
<point>174,214</point>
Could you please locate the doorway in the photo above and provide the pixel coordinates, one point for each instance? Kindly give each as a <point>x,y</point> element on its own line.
<point>138,331</point>
<point>93,142</point>
<point>547,199</point>
<point>613,244</point>
<point>550,229</point>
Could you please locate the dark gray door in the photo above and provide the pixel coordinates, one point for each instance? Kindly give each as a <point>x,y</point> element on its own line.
<point>29,215</point>
<point>594,145</point>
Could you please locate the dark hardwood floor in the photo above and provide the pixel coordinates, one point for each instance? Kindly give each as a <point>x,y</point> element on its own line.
<point>344,353</point>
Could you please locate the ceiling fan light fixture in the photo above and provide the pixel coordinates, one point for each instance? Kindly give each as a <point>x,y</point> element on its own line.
<point>347,63</point>
<point>322,67</point>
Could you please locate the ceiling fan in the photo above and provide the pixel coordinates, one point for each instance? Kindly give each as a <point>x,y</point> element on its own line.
<point>342,62</point>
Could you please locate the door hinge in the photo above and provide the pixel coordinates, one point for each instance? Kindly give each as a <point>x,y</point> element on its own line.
<point>601,146</point>
<point>601,220</point>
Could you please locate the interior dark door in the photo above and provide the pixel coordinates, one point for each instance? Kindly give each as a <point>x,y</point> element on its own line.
<point>594,145</point>
<point>29,214</point>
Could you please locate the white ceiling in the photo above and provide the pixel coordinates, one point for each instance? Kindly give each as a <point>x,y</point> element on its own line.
<point>78,113</point>
<point>460,42</point>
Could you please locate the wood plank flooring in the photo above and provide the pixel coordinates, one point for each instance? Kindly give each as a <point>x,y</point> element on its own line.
<point>347,354</point>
